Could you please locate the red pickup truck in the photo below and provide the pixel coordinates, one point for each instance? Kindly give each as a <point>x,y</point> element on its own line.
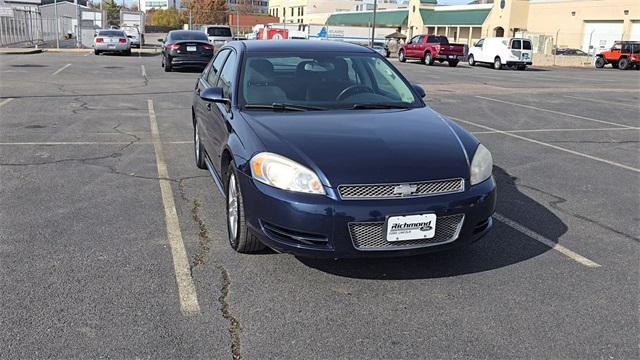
<point>430,48</point>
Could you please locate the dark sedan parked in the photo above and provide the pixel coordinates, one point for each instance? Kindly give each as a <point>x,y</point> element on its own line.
<point>185,48</point>
<point>324,149</point>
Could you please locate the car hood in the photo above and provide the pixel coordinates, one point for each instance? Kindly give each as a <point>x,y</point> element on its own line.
<point>365,146</point>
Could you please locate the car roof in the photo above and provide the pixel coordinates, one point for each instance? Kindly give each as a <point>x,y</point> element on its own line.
<point>184,32</point>
<point>294,46</point>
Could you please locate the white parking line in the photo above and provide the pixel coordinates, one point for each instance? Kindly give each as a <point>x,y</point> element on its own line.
<point>186,288</point>
<point>554,130</point>
<point>553,245</point>
<point>54,143</point>
<point>549,145</point>
<point>553,111</point>
<point>60,70</point>
<point>144,72</point>
<point>5,102</point>
<point>636,106</point>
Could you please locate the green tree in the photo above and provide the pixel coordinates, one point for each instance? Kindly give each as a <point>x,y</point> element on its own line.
<point>170,18</point>
<point>113,11</point>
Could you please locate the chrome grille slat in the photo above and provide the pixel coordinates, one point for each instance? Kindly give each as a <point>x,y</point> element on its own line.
<point>386,191</point>
<point>370,235</point>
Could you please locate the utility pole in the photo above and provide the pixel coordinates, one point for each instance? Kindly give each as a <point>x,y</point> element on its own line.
<point>373,28</point>
<point>77,23</point>
<point>55,12</point>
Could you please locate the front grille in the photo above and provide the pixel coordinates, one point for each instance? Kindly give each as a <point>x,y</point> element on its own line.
<point>386,191</point>
<point>371,236</point>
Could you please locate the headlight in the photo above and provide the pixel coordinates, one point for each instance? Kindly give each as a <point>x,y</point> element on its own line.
<point>280,172</point>
<point>481,166</point>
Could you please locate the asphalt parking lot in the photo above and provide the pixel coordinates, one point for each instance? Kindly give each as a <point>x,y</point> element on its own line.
<point>96,152</point>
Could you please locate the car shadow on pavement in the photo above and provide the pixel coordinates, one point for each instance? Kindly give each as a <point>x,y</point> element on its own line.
<point>503,246</point>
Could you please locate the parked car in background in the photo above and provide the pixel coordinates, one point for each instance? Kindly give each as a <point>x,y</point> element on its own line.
<point>623,55</point>
<point>218,34</point>
<point>430,48</point>
<point>379,48</point>
<point>111,41</point>
<point>324,149</point>
<point>569,52</point>
<point>186,48</point>
<point>502,51</point>
<point>135,37</point>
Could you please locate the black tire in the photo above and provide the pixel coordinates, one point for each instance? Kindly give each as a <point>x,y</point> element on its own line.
<point>96,52</point>
<point>497,63</point>
<point>453,63</point>
<point>471,60</point>
<point>428,58</point>
<point>623,64</point>
<point>198,148</point>
<point>522,67</point>
<point>401,56</point>
<point>243,241</point>
<point>387,54</point>
<point>600,62</point>
<point>167,64</point>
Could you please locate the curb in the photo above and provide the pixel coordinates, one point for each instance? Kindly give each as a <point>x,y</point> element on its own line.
<point>20,51</point>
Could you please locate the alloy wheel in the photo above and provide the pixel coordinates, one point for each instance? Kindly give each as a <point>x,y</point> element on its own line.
<point>232,208</point>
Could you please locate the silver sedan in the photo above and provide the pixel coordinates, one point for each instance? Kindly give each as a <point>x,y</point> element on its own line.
<point>111,41</point>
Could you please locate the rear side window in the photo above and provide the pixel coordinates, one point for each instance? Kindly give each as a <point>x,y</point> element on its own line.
<point>526,45</point>
<point>227,75</point>
<point>216,66</point>
<point>516,44</point>
<point>219,31</point>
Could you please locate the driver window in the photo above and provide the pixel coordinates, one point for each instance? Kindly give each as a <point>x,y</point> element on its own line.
<point>415,39</point>
<point>212,77</point>
<point>479,43</point>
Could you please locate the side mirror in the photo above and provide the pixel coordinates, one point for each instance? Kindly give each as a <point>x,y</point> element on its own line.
<point>214,95</point>
<point>161,40</point>
<point>419,90</point>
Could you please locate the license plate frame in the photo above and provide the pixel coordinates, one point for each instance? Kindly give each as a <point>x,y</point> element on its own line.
<point>192,48</point>
<point>424,227</point>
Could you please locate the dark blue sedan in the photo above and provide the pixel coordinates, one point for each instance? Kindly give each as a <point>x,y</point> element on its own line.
<point>324,149</point>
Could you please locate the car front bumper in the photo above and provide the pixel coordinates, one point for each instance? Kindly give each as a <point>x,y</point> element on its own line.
<point>326,226</point>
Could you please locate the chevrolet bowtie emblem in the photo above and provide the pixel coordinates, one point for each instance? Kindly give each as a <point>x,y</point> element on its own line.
<point>405,189</point>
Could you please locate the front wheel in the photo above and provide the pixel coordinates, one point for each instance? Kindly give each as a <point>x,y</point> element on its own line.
<point>240,239</point>
<point>472,61</point>
<point>497,64</point>
<point>600,62</point>
<point>401,56</point>
<point>453,63</point>
<point>198,148</point>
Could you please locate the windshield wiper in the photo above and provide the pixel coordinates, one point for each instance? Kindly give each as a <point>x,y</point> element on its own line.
<point>381,106</point>
<point>283,107</point>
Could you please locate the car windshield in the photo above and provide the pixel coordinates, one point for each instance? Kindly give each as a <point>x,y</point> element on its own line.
<point>219,31</point>
<point>324,81</point>
<point>189,35</point>
<point>111,33</point>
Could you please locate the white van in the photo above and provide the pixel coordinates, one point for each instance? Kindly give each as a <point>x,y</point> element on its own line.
<point>502,51</point>
<point>218,34</point>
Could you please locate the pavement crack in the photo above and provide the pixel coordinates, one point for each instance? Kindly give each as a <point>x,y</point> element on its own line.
<point>234,324</point>
<point>203,232</point>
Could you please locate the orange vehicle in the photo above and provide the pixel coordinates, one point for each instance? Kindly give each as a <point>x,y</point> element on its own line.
<point>623,55</point>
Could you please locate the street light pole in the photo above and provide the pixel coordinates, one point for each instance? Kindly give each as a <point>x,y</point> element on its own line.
<point>55,11</point>
<point>373,26</point>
